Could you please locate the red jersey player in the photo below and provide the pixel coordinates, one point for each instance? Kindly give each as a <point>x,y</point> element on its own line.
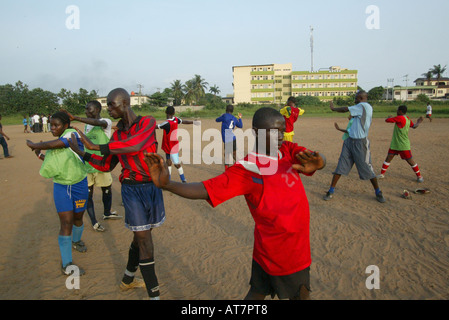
<point>290,114</point>
<point>276,199</point>
<point>170,143</point>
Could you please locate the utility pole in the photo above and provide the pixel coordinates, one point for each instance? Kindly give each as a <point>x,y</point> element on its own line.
<point>392,88</point>
<point>140,93</point>
<point>406,87</point>
<point>311,48</point>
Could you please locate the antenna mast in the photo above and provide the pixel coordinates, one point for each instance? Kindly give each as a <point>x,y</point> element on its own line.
<point>311,47</point>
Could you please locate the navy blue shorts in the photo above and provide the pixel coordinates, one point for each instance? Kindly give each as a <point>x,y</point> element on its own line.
<point>71,197</point>
<point>144,206</point>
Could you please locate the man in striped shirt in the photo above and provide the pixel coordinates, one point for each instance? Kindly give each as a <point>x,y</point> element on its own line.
<point>143,201</point>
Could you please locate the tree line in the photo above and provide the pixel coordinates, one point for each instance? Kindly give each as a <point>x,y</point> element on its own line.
<point>20,99</point>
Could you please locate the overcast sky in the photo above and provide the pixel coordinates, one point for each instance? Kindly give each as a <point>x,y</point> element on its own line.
<point>154,42</point>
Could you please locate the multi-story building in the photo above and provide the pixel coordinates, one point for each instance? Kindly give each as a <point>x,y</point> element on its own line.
<point>432,88</point>
<point>274,83</point>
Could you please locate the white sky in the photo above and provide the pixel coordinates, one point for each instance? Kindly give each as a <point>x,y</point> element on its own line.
<point>154,42</point>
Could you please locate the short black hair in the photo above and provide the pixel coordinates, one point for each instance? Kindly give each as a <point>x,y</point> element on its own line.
<point>403,109</point>
<point>263,117</point>
<point>64,117</point>
<point>95,103</point>
<point>170,110</point>
<point>291,99</point>
<point>229,108</point>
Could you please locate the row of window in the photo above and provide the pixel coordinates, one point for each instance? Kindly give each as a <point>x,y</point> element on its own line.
<point>296,94</point>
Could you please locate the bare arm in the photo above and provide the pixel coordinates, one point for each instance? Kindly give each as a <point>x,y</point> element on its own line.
<point>91,121</point>
<point>418,122</point>
<point>159,174</point>
<point>341,109</point>
<point>309,162</point>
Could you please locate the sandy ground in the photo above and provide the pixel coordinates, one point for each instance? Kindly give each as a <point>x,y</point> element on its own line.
<point>205,253</point>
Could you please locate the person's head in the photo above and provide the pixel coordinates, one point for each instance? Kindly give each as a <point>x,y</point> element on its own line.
<point>229,108</point>
<point>291,102</point>
<point>269,127</point>
<point>93,109</point>
<point>60,122</point>
<point>118,101</point>
<point>361,96</point>
<point>402,110</point>
<point>170,112</point>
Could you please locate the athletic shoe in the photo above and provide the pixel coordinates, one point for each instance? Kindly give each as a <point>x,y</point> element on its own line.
<point>420,179</point>
<point>328,196</point>
<point>69,272</point>
<point>136,283</point>
<point>113,215</point>
<point>79,246</point>
<point>380,176</point>
<point>98,227</point>
<point>184,181</point>
<point>380,197</point>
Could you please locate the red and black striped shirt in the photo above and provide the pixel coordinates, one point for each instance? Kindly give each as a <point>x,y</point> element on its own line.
<point>128,147</point>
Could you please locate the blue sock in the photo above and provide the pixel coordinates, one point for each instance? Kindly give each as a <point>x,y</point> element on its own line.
<point>77,233</point>
<point>182,177</point>
<point>331,189</point>
<point>65,247</point>
<point>377,191</point>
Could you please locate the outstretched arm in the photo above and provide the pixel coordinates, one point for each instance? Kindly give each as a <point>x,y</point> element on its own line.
<point>54,144</point>
<point>341,109</point>
<point>91,121</point>
<point>160,176</point>
<point>418,122</point>
<point>339,129</point>
<point>309,162</point>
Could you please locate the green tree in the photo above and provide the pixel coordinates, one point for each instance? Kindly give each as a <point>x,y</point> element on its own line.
<point>438,72</point>
<point>376,93</point>
<point>199,87</point>
<point>189,92</point>
<point>76,102</point>
<point>428,75</point>
<point>214,90</point>
<point>177,92</point>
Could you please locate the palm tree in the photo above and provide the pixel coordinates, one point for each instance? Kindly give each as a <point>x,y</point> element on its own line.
<point>177,87</point>
<point>214,90</point>
<point>189,91</point>
<point>199,86</point>
<point>438,72</point>
<point>428,75</point>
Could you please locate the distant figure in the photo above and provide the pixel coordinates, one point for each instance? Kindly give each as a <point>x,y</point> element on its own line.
<point>44,124</point>
<point>290,114</point>
<point>400,143</point>
<point>429,112</point>
<point>3,141</point>
<point>228,123</point>
<point>25,125</point>
<point>170,143</point>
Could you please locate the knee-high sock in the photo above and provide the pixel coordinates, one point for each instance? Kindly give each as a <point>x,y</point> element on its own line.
<point>65,247</point>
<point>385,167</point>
<point>107,199</point>
<point>132,265</point>
<point>77,232</point>
<point>181,174</point>
<point>149,276</point>
<point>416,170</point>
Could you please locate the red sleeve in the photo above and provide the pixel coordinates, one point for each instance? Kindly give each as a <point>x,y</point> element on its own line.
<point>399,120</point>
<point>291,149</point>
<point>235,181</point>
<point>295,114</point>
<point>411,122</point>
<point>105,164</point>
<point>142,139</point>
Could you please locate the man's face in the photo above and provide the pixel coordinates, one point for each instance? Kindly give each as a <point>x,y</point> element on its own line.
<point>116,107</point>
<point>274,135</point>
<point>91,111</point>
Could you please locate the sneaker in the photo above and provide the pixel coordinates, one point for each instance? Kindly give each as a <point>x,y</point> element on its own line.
<point>70,271</point>
<point>380,197</point>
<point>9,157</point>
<point>328,196</point>
<point>184,181</point>
<point>98,227</point>
<point>136,283</point>
<point>420,180</point>
<point>380,176</point>
<point>113,215</point>
<point>79,246</point>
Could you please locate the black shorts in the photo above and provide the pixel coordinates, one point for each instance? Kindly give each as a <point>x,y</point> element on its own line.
<point>285,287</point>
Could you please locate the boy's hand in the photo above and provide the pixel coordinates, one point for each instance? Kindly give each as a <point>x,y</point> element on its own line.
<point>86,141</point>
<point>69,114</point>
<point>74,144</point>
<point>158,169</point>
<point>421,119</point>
<point>331,105</point>
<point>31,145</point>
<point>336,126</point>
<point>309,162</point>
<point>240,116</point>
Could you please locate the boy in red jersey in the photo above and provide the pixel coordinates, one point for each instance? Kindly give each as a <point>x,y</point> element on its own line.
<point>276,199</point>
<point>290,114</point>
<point>400,142</point>
<point>170,143</point>
<point>143,201</point>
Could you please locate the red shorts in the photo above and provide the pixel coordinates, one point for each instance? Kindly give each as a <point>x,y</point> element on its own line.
<point>405,154</point>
